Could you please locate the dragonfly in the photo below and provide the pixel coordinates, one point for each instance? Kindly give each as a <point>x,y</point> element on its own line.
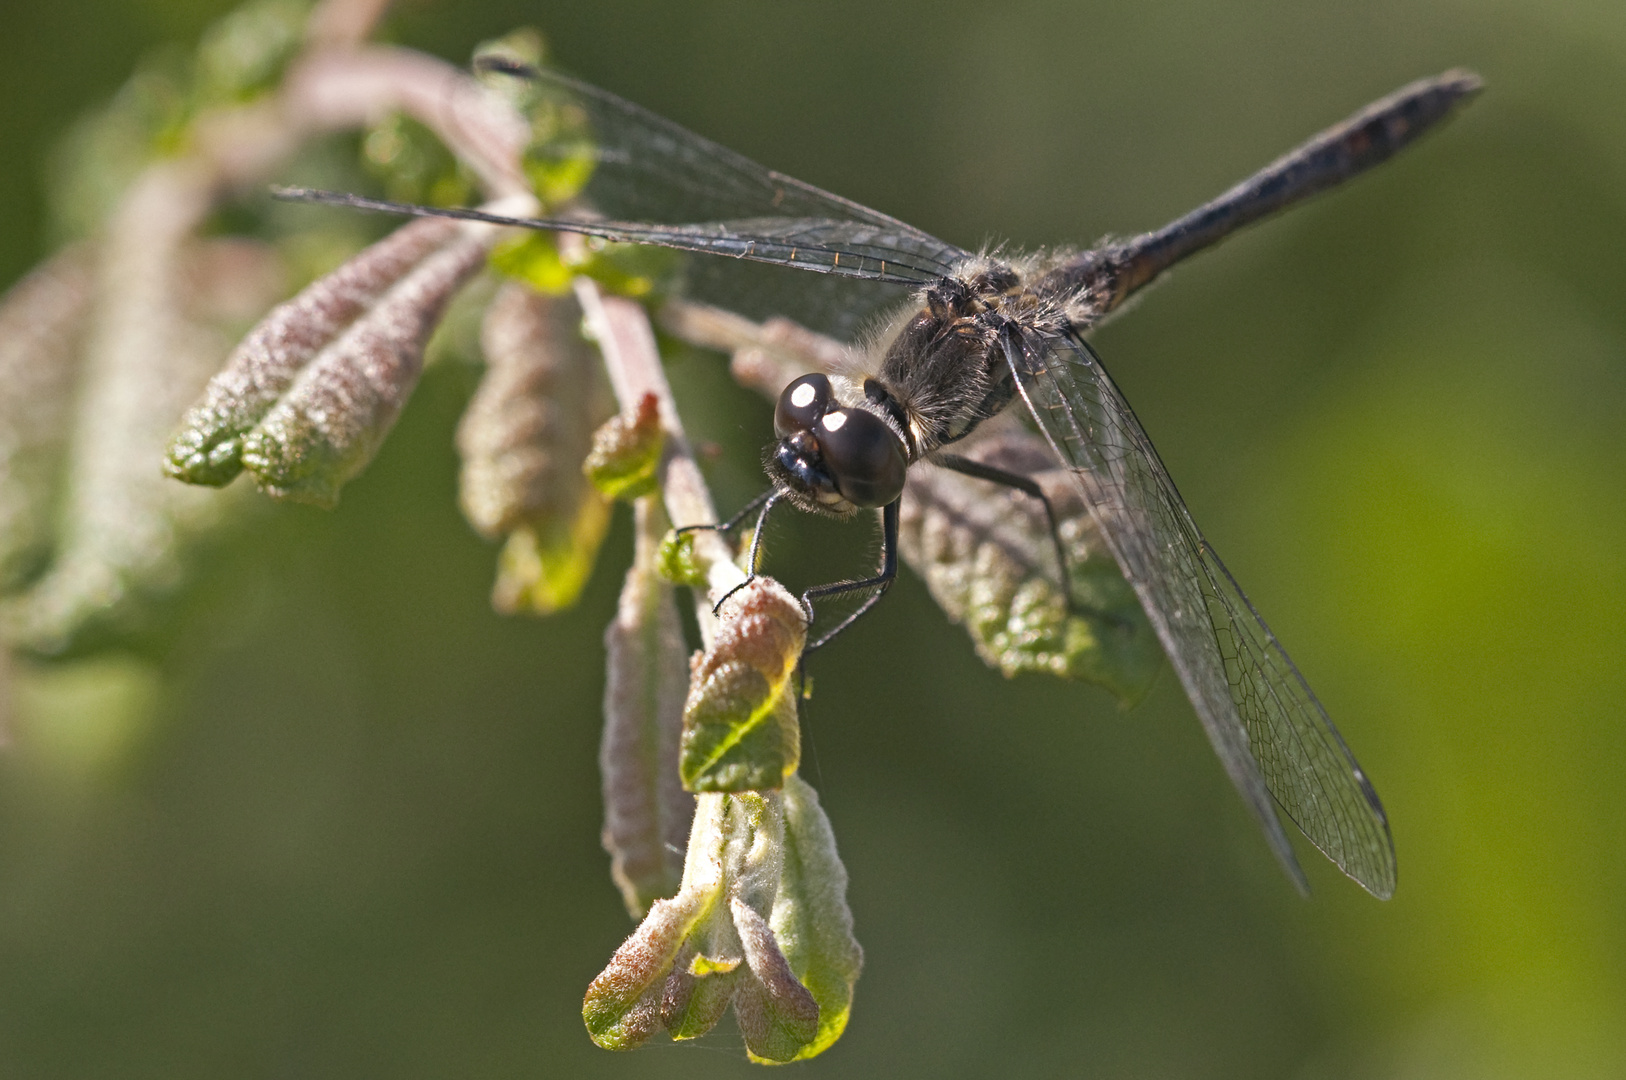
<point>978,332</point>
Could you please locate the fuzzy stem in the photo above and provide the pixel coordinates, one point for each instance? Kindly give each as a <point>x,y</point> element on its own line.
<point>622,330</point>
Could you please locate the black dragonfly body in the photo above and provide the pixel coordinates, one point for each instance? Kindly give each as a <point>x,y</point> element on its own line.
<point>981,331</point>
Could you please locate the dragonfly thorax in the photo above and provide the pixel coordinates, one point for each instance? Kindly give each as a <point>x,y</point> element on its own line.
<point>945,366</point>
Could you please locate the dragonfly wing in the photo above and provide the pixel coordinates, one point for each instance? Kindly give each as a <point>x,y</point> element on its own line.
<point>845,248</point>
<point>838,250</point>
<point>653,172</point>
<point>651,181</point>
<point>648,168</point>
<point>1271,734</point>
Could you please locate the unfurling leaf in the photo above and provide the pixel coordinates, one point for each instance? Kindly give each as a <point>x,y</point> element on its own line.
<point>523,440</point>
<point>42,328</point>
<point>988,558</point>
<point>646,811</point>
<point>761,921</point>
<point>811,920</point>
<point>740,730</point>
<point>777,1015</point>
<point>325,429</point>
<point>696,995</point>
<point>209,447</point>
<point>129,537</point>
<point>626,454</point>
<point>622,1007</point>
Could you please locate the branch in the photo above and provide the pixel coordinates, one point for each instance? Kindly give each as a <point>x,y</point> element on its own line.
<point>622,330</point>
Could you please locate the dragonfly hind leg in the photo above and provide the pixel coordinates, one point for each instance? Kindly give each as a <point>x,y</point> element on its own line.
<point>1028,486</point>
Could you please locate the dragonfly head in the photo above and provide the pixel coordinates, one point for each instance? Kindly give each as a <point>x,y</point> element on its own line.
<point>833,458</point>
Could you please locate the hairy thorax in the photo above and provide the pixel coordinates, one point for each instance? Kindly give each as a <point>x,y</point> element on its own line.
<point>945,365</point>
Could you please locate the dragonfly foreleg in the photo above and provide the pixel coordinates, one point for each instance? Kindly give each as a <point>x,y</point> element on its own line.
<point>734,522</point>
<point>888,570</point>
<point>766,500</point>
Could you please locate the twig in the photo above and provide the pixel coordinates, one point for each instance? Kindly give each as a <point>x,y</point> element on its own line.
<point>343,23</point>
<point>342,88</point>
<point>622,329</point>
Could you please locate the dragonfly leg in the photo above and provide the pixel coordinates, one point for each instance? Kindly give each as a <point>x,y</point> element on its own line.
<point>883,578</point>
<point>766,500</point>
<point>1027,486</point>
<point>734,522</point>
<point>1010,343</point>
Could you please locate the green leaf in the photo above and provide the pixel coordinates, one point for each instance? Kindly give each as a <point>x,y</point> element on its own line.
<point>414,164</point>
<point>989,559</point>
<point>740,729</point>
<point>811,919</point>
<point>740,732</point>
<point>676,560</point>
<point>559,178</point>
<point>635,270</point>
<point>533,257</point>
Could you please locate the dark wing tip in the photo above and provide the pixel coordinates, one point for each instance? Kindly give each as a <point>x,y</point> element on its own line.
<point>1426,102</point>
<point>1460,82</point>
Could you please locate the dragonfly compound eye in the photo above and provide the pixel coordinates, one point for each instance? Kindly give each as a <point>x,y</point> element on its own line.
<point>801,405</point>
<point>863,455</point>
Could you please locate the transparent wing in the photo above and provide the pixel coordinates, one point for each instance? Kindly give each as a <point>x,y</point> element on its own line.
<point>844,248</point>
<point>650,172</point>
<point>1270,732</point>
<point>655,182</point>
<point>649,169</point>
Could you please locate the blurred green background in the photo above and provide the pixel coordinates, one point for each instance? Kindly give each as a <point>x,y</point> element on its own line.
<point>352,829</point>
